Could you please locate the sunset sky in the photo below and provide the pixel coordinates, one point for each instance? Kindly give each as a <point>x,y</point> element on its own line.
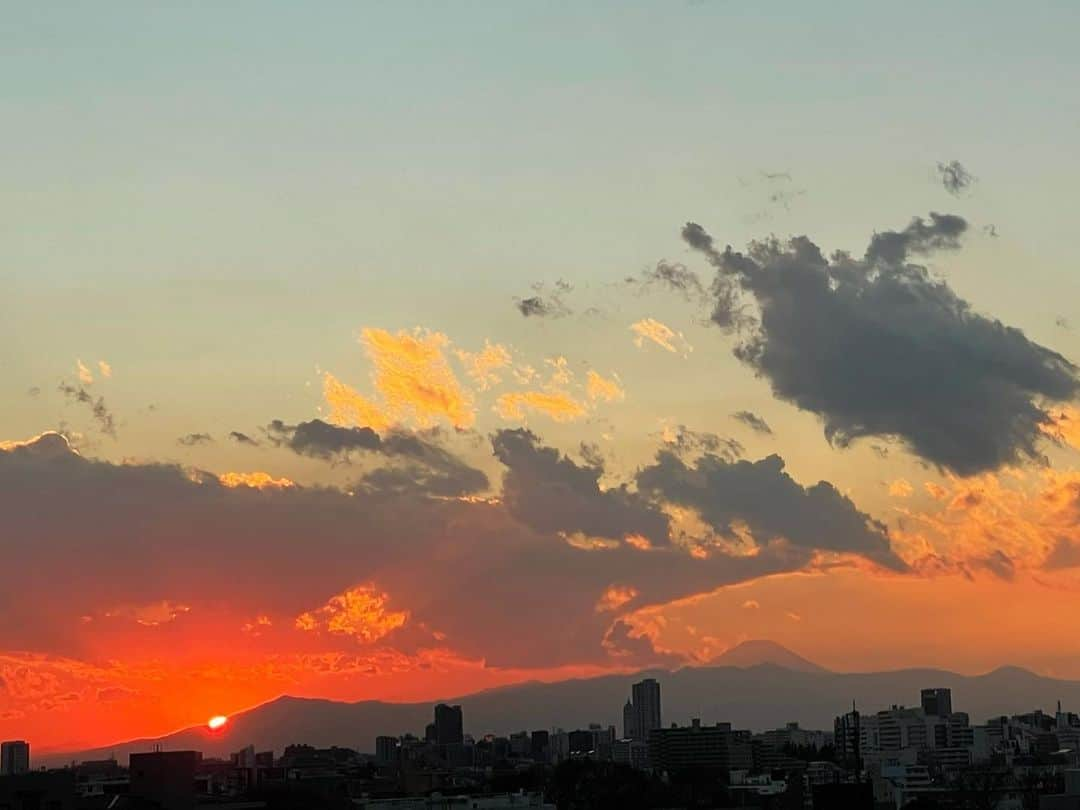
<point>403,350</point>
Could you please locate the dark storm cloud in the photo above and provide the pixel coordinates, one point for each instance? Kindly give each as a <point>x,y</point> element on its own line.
<point>426,468</point>
<point>879,347</point>
<point>954,177</point>
<point>543,304</point>
<point>770,502</point>
<point>550,493</point>
<point>154,527</point>
<point>753,421</point>
<point>195,439</point>
<point>319,439</point>
<point>242,438</point>
<point>920,237</point>
<point>102,415</point>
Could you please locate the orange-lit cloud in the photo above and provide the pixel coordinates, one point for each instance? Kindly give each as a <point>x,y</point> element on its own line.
<point>349,407</point>
<point>359,612</point>
<point>558,405</point>
<point>413,380</point>
<point>653,331</point>
<point>900,488</point>
<point>615,596</point>
<point>255,480</point>
<point>86,376</point>
<point>482,366</point>
<point>600,388</point>
<point>104,368</point>
<point>996,523</point>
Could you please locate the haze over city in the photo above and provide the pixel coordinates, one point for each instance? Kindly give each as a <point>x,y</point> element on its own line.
<point>400,352</point>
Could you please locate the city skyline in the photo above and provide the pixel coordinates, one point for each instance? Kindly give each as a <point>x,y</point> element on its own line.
<point>402,352</point>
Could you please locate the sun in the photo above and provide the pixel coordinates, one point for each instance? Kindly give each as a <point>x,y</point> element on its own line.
<point>216,722</point>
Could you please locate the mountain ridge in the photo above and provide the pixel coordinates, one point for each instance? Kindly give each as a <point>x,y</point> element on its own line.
<point>757,696</point>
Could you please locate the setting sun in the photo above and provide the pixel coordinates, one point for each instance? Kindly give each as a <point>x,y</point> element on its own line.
<point>217,722</point>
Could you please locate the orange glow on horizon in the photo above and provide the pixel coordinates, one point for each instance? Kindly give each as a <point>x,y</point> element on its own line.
<point>217,722</point>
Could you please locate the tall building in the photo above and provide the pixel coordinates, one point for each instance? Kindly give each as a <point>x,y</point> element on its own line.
<point>937,702</point>
<point>386,749</point>
<point>449,728</point>
<point>14,757</point>
<point>645,696</point>
<point>540,746</point>
<point>629,726</point>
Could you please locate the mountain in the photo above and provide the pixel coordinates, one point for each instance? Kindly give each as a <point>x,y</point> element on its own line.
<point>757,652</point>
<point>759,696</point>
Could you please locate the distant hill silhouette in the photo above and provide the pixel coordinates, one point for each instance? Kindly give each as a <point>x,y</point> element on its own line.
<point>759,695</point>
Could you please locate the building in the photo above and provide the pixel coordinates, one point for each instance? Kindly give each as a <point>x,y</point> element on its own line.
<point>42,790</point>
<point>386,749</point>
<point>540,746</point>
<point>717,747</point>
<point>14,757</point>
<point>630,752</point>
<point>641,714</point>
<point>449,725</point>
<point>629,721</point>
<point>166,778</point>
<point>936,702</point>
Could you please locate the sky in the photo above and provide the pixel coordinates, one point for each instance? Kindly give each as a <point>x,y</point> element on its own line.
<point>397,351</point>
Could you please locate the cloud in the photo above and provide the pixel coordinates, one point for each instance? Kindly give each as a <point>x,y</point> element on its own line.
<point>675,277</point>
<point>901,488</point>
<point>753,421</point>
<point>954,177</point>
<point>349,407</point>
<point>919,238</point>
<point>360,612</point>
<point>254,480</point>
<point>412,378</point>
<point>652,330</point>
<point>543,304</point>
<point>549,492</point>
<point>242,438</point>
<point>996,523</point>
<point>684,442</point>
<point>751,604</point>
<point>879,347</point>
<point>761,496</point>
<point>615,597</point>
<point>1063,426</point>
<point>85,375</point>
<point>319,439</point>
<point>149,615</point>
<point>599,388</point>
<point>427,467</point>
<point>104,368</point>
<point>195,439</point>
<point>101,413</point>
<point>552,400</point>
<point>160,529</point>
<point>482,366</point>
